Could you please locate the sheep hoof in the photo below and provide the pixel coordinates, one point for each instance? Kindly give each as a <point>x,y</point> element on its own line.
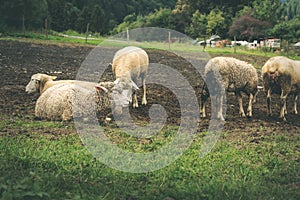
<point>249,114</point>
<point>108,119</point>
<point>135,105</point>
<point>295,112</point>
<point>144,102</point>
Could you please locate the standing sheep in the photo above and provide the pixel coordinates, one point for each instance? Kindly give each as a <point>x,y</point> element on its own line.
<point>281,75</point>
<point>231,75</point>
<point>65,101</point>
<point>129,64</point>
<point>41,82</point>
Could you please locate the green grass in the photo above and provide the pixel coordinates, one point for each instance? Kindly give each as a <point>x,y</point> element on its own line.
<point>36,166</point>
<point>53,37</point>
<point>56,37</point>
<point>27,122</point>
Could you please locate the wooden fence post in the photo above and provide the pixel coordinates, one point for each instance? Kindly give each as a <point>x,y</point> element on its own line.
<point>87,32</point>
<point>46,27</point>
<point>234,47</point>
<point>127,34</point>
<point>169,39</point>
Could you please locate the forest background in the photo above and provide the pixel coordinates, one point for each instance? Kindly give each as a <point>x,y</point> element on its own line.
<point>245,19</point>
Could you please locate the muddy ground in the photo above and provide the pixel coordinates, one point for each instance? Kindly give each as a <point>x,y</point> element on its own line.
<point>19,60</point>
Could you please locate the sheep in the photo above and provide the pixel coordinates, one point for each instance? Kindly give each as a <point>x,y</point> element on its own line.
<point>65,101</point>
<point>232,75</point>
<point>41,82</point>
<point>129,64</point>
<point>281,75</point>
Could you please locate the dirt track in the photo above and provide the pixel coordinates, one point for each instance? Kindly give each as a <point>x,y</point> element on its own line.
<point>19,60</point>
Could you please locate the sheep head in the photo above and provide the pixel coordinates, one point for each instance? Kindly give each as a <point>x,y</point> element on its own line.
<point>36,81</point>
<point>119,92</point>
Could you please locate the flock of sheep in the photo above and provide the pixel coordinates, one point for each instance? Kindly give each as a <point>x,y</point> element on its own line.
<point>66,99</point>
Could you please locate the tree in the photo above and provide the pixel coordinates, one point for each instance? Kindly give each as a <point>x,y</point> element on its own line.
<point>215,22</point>
<point>98,20</point>
<point>18,13</point>
<point>198,25</point>
<point>289,30</point>
<point>291,8</point>
<point>248,28</point>
<point>267,10</point>
<point>70,15</point>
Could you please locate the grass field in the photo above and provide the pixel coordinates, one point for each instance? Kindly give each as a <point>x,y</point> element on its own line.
<point>45,166</point>
<point>103,41</point>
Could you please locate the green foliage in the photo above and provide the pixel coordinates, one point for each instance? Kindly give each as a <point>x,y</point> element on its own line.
<point>162,18</point>
<point>289,30</point>
<point>13,12</point>
<point>291,9</point>
<point>194,17</point>
<point>215,22</point>
<point>198,25</point>
<point>267,10</point>
<point>201,24</point>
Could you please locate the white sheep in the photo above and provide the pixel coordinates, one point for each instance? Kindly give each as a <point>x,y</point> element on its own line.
<point>41,82</point>
<point>61,92</point>
<point>65,101</point>
<point>231,75</point>
<point>129,64</point>
<point>281,75</point>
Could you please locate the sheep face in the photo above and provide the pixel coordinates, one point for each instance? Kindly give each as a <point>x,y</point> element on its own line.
<point>119,100</point>
<point>34,83</point>
<point>121,94</point>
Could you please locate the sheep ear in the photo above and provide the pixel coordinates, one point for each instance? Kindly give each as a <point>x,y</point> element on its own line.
<point>37,77</point>
<point>53,77</point>
<point>101,88</point>
<point>134,85</point>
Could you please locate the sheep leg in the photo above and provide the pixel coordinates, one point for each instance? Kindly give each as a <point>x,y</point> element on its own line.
<point>135,100</point>
<point>295,104</point>
<point>240,101</point>
<point>144,100</point>
<point>249,110</point>
<point>283,105</point>
<point>202,105</point>
<point>214,107</point>
<point>219,106</point>
<point>269,102</point>
<point>135,103</point>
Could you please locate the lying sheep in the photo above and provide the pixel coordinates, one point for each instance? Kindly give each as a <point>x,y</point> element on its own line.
<point>65,101</point>
<point>129,64</point>
<point>63,89</point>
<point>231,75</point>
<point>281,75</point>
<point>41,82</point>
